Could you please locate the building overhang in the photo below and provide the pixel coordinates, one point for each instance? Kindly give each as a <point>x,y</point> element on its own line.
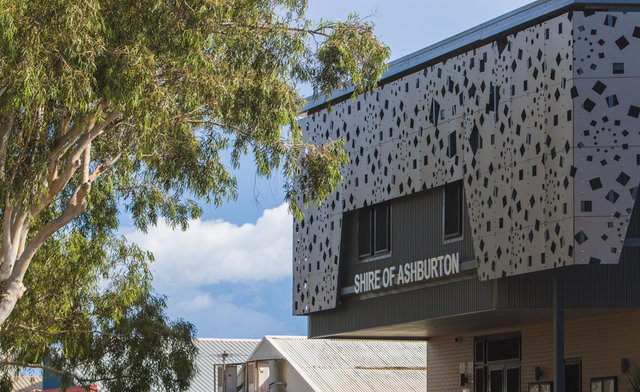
<point>469,323</point>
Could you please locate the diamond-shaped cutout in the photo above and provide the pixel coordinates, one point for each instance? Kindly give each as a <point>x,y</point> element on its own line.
<point>612,196</point>
<point>622,42</point>
<point>623,178</point>
<point>595,183</point>
<point>581,237</point>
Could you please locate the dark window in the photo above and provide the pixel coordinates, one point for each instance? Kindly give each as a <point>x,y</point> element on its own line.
<point>373,230</point>
<point>480,351</point>
<point>503,349</point>
<point>364,232</point>
<point>480,380</point>
<point>572,376</point>
<point>495,380</point>
<point>452,216</point>
<point>381,228</point>
<point>497,363</point>
<point>513,379</point>
<point>453,150</point>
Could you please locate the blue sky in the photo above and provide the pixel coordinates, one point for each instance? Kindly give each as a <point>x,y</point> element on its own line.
<point>230,273</point>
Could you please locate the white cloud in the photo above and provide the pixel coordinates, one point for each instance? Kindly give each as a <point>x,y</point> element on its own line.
<point>210,252</point>
<point>199,302</point>
<point>221,316</point>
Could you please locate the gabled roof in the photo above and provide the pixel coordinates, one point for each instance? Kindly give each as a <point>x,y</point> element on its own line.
<point>210,354</point>
<point>351,365</point>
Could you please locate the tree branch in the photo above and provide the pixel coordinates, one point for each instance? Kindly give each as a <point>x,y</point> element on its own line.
<point>5,131</point>
<point>283,27</point>
<point>82,381</point>
<point>60,181</point>
<point>103,167</point>
<point>86,160</point>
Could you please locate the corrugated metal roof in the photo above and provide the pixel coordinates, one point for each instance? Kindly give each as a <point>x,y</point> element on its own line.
<point>26,383</point>
<point>494,27</point>
<point>210,354</point>
<point>354,365</point>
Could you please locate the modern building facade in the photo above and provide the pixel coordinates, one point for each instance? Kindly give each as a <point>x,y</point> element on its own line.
<point>489,204</point>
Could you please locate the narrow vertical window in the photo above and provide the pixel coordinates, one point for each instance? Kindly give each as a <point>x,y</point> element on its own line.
<point>452,210</point>
<point>364,232</point>
<point>374,230</point>
<point>452,149</point>
<point>381,219</point>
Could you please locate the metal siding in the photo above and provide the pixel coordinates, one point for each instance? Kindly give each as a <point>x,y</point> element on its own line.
<point>356,365</point>
<point>586,286</point>
<point>416,233</point>
<point>605,286</point>
<point>462,296</point>
<point>210,354</point>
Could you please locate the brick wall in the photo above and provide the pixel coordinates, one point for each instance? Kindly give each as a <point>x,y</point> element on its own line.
<point>599,341</point>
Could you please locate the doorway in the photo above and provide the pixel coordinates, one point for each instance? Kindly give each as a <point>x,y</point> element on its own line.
<point>504,378</point>
<point>572,375</point>
<point>497,363</point>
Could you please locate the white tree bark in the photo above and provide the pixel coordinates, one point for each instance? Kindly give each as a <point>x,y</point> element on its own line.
<point>17,250</point>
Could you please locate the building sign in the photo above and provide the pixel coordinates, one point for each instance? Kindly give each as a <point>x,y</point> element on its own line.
<point>412,272</point>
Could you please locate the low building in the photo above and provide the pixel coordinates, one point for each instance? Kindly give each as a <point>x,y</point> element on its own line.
<point>490,204</point>
<point>298,364</point>
<point>27,383</point>
<point>220,364</point>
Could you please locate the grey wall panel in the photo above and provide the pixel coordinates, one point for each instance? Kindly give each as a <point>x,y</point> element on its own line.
<point>527,110</point>
<point>463,296</point>
<point>586,286</point>
<point>416,234</point>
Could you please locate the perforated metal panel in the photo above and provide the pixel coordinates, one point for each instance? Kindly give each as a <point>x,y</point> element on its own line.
<point>547,144</point>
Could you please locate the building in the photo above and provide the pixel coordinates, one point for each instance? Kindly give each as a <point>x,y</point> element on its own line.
<point>26,383</point>
<point>220,364</point>
<point>34,383</point>
<point>298,364</point>
<point>489,204</point>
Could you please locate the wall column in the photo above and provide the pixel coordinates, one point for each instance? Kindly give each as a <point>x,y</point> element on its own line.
<point>558,329</point>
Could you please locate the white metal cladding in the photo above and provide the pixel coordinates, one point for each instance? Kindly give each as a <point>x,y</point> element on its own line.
<point>210,354</point>
<point>354,365</point>
<point>547,139</point>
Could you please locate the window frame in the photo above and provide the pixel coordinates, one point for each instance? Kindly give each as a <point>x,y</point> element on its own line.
<point>459,235</point>
<point>601,380</point>
<point>374,253</point>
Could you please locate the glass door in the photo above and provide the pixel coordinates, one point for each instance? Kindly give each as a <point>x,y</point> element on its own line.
<point>503,378</point>
<point>496,379</point>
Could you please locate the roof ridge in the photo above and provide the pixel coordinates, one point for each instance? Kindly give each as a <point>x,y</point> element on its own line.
<point>229,339</point>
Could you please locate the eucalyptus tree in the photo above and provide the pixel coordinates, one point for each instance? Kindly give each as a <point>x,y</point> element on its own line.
<point>110,104</point>
<point>126,106</point>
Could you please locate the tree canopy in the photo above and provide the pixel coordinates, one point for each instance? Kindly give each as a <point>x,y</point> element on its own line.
<point>90,315</point>
<point>111,106</point>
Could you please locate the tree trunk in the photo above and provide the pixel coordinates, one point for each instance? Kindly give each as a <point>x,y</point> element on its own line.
<point>13,290</point>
